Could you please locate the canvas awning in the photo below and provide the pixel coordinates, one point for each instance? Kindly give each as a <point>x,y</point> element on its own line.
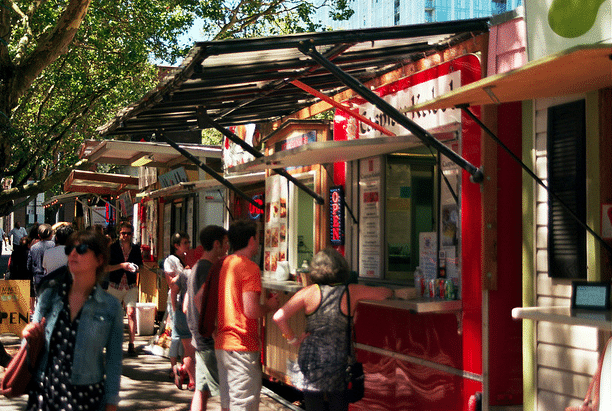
<point>81,181</point>
<point>577,70</point>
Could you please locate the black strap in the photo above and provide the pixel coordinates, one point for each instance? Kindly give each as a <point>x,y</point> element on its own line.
<point>349,334</point>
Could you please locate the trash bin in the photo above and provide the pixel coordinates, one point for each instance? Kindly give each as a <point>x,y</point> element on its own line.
<point>145,318</point>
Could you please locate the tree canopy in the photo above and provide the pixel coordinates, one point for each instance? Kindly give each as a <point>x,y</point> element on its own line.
<point>67,66</point>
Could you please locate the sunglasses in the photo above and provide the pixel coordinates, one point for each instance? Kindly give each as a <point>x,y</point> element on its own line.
<point>80,249</point>
<point>125,233</point>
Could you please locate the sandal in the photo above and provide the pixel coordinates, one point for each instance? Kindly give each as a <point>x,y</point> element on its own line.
<point>178,378</point>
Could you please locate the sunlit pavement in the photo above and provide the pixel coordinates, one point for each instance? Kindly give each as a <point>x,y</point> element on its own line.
<point>145,384</point>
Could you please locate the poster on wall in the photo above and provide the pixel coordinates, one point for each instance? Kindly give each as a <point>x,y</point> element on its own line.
<point>369,218</point>
<point>428,255</point>
<point>14,305</point>
<point>275,241</point>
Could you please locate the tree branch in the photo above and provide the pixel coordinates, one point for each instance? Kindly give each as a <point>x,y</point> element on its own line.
<point>50,46</point>
<point>41,186</point>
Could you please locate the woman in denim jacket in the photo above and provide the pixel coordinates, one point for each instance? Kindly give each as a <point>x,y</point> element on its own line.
<point>83,325</point>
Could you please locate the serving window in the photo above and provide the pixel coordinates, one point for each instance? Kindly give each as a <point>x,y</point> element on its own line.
<point>409,216</point>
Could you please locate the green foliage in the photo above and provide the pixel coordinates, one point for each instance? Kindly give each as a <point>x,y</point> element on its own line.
<point>211,137</point>
<point>107,66</point>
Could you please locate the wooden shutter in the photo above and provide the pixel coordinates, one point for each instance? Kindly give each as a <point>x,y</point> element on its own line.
<point>567,178</point>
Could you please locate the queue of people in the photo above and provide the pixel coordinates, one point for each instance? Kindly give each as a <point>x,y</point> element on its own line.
<point>228,365</point>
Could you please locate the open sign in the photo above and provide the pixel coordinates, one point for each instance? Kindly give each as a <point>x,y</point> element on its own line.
<point>255,212</point>
<point>336,215</point>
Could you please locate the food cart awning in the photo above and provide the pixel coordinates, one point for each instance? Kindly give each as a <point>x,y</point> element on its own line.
<point>62,198</point>
<point>143,153</point>
<point>201,185</point>
<point>81,181</point>
<point>576,70</point>
<point>328,152</point>
<point>241,81</point>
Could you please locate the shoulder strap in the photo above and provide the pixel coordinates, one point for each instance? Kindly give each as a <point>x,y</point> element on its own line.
<point>349,334</point>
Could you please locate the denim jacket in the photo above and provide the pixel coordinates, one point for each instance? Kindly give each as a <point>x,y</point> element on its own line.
<point>100,327</point>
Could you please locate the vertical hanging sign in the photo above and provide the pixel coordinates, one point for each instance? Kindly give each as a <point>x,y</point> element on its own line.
<point>336,215</point>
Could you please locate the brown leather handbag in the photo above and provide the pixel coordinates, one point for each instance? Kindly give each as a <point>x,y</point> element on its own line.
<point>19,372</point>
<point>591,400</point>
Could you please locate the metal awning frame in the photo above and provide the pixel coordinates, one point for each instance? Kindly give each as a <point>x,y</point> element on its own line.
<point>207,169</point>
<point>476,173</point>
<point>537,179</point>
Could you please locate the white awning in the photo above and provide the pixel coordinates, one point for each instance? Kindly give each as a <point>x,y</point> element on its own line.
<point>577,70</point>
<point>127,152</point>
<point>329,152</point>
<point>203,185</point>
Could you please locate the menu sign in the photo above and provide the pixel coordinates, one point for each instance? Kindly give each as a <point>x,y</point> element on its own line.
<point>369,218</point>
<point>275,241</point>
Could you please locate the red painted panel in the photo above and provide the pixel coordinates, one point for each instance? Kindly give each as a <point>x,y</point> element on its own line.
<point>505,370</point>
<point>433,337</point>
<point>394,385</point>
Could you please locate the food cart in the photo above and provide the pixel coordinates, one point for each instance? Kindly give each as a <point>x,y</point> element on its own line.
<point>385,171</point>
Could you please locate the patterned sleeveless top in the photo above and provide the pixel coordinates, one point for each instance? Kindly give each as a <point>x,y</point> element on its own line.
<point>323,354</point>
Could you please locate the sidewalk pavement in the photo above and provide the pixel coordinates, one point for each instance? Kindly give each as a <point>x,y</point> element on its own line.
<point>145,384</point>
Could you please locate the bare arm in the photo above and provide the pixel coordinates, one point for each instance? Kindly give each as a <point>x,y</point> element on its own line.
<point>291,307</point>
<point>364,292</point>
<point>253,309</point>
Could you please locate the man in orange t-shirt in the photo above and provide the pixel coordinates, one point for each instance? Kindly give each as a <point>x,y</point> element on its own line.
<point>237,345</point>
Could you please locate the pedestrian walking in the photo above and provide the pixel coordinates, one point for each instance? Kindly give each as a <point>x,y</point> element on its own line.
<point>215,245</point>
<point>4,239</point>
<point>37,252</point>
<point>16,234</point>
<point>56,257</point>
<point>175,268</point>
<point>237,344</point>
<point>124,267</point>
<point>322,358</point>
<point>80,367</point>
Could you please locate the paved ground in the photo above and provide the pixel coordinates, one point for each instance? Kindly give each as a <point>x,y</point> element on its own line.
<point>145,385</point>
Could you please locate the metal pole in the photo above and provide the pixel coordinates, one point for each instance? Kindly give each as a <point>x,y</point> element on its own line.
<point>537,179</point>
<point>392,112</point>
<point>248,148</point>
<point>207,169</point>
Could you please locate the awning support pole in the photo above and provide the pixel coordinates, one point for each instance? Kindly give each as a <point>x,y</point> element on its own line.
<point>537,179</point>
<point>249,149</point>
<point>206,168</point>
<point>308,49</point>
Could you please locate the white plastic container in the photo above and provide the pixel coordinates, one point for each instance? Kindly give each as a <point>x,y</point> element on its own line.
<point>145,318</point>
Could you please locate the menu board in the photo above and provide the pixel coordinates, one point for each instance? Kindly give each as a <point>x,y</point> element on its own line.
<point>275,241</point>
<point>369,218</point>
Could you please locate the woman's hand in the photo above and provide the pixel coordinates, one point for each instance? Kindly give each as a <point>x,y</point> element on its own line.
<point>34,329</point>
<point>298,340</point>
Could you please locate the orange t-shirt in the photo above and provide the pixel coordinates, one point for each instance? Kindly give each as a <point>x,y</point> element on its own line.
<point>236,332</point>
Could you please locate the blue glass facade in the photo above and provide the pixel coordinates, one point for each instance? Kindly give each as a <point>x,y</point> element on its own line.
<point>383,13</point>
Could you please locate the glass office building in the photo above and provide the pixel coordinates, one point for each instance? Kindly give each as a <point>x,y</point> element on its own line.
<point>384,13</point>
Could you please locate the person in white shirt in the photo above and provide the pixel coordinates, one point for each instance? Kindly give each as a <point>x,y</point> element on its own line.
<point>17,233</point>
<point>56,257</point>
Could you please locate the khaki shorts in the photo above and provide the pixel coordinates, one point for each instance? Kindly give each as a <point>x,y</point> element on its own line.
<point>129,296</point>
<point>207,374</point>
<point>243,369</point>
